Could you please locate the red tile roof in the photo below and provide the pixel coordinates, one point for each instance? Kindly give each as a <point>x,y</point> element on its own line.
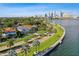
<point>9,29</point>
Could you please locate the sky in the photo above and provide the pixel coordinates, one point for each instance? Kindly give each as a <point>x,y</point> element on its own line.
<point>31,9</point>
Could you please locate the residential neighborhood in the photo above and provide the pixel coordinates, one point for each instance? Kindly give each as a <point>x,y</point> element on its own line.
<point>26,33</point>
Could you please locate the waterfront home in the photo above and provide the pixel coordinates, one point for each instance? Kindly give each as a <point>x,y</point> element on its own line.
<point>9,32</point>
<point>24,29</point>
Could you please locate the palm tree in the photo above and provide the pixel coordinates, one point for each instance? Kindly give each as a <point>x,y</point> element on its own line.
<point>25,49</point>
<point>10,43</point>
<point>50,28</point>
<point>28,47</point>
<point>36,43</point>
<point>11,52</point>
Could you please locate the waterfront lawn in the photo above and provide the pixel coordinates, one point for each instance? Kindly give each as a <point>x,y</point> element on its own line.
<point>41,32</point>
<point>26,38</point>
<point>46,44</point>
<point>52,39</point>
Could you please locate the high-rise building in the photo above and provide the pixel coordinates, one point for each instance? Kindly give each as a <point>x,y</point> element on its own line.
<point>49,15</point>
<point>45,15</point>
<point>61,14</point>
<point>52,14</point>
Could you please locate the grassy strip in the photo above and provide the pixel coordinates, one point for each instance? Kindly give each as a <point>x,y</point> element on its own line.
<point>3,44</point>
<point>41,32</point>
<point>17,40</point>
<point>47,43</point>
<point>24,38</point>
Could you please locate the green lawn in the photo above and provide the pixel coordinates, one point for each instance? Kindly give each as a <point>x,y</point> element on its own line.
<point>41,32</point>
<point>24,38</point>
<point>47,43</point>
<point>18,40</point>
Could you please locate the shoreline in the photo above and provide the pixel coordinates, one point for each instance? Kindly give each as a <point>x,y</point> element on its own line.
<point>54,45</point>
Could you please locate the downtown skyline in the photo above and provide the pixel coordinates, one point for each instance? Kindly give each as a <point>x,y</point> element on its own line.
<point>31,9</point>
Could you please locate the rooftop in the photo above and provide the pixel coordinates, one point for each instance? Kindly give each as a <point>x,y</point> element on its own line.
<point>9,29</point>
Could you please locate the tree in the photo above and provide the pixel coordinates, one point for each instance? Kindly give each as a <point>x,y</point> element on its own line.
<point>10,43</point>
<point>25,48</point>
<point>36,44</point>
<point>50,28</point>
<point>11,52</point>
<point>18,33</point>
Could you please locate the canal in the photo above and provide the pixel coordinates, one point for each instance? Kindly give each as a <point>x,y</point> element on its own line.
<point>70,45</point>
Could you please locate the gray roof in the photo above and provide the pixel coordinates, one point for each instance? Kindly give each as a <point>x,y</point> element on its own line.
<point>21,28</point>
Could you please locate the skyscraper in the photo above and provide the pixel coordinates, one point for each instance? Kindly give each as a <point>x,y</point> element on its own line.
<point>46,16</point>
<point>61,14</point>
<point>52,14</point>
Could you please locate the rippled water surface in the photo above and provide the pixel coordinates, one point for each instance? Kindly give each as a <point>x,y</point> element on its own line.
<point>70,45</point>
